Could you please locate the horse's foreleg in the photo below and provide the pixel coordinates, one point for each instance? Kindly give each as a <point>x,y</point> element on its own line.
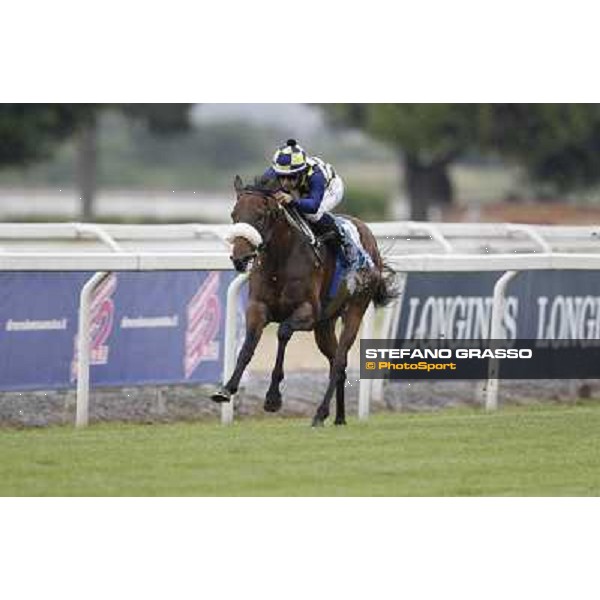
<point>256,319</point>
<point>337,375</point>
<point>301,319</point>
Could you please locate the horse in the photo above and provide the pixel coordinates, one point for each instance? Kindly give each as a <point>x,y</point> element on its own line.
<point>289,284</point>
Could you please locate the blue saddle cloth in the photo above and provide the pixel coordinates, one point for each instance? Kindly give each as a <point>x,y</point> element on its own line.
<point>360,259</point>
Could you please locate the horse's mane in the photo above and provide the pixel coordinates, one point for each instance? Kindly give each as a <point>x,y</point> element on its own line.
<point>263,185</point>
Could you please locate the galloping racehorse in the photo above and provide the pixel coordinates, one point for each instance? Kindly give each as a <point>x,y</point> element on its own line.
<point>290,283</point>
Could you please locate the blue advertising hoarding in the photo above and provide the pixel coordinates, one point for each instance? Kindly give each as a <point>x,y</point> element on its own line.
<point>539,305</point>
<point>147,328</point>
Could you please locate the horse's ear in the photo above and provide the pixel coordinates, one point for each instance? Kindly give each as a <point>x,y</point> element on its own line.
<point>238,184</point>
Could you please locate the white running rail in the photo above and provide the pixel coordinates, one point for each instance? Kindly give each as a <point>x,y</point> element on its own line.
<point>416,247</point>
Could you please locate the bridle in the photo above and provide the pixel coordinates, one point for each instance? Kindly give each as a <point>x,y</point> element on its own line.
<point>295,221</point>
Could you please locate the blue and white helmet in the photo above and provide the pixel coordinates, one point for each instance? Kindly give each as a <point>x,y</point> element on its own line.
<point>289,159</point>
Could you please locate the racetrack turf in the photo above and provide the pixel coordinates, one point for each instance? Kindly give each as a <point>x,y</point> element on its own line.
<point>525,451</point>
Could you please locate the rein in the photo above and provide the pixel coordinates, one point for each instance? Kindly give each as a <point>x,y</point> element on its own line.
<point>292,216</point>
<point>298,223</point>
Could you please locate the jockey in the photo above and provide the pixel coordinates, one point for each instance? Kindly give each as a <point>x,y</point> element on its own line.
<point>314,188</point>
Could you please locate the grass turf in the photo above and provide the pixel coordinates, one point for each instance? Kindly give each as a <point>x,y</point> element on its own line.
<point>549,451</point>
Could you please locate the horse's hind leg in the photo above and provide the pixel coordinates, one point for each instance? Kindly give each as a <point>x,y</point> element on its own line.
<point>337,375</point>
<point>301,319</point>
<point>273,397</point>
<point>327,344</point>
<point>340,403</point>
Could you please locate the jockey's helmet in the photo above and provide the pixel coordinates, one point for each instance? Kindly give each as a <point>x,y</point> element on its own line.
<point>289,159</point>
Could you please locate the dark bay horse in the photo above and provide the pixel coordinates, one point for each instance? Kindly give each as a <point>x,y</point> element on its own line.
<point>289,284</point>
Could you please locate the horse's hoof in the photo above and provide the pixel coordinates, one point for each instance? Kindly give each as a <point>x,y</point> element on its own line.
<point>273,403</point>
<point>221,396</point>
<point>340,422</point>
<point>316,422</point>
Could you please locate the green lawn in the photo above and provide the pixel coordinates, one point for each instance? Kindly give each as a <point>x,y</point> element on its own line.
<point>550,451</point>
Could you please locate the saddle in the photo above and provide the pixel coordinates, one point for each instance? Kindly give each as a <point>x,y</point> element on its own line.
<point>354,280</point>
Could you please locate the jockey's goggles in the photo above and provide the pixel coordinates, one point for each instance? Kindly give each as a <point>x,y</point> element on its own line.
<point>290,176</point>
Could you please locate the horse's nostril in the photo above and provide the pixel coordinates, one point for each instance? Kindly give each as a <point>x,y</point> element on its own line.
<point>239,264</point>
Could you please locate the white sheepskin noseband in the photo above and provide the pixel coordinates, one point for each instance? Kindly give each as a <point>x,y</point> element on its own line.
<point>247,232</point>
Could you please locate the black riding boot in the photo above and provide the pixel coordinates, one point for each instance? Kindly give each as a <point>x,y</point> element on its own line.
<point>327,224</point>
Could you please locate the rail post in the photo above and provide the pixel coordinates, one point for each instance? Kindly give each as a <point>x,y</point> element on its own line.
<point>231,324</point>
<point>84,341</point>
<point>498,304</point>
<point>84,348</point>
<point>364,389</point>
<point>388,329</point>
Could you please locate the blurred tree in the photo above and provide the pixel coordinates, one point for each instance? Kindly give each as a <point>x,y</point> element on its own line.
<point>557,143</point>
<point>86,160</point>
<point>427,138</point>
<point>160,119</point>
<point>32,132</point>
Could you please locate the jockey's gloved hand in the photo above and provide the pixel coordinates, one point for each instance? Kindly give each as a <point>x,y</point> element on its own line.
<point>283,197</point>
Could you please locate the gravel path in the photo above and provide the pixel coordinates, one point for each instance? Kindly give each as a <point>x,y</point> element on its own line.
<point>302,390</point>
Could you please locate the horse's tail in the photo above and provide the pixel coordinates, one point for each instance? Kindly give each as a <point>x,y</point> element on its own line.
<point>386,286</point>
<point>387,289</point>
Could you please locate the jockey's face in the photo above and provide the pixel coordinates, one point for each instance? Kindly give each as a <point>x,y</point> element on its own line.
<point>289,182</point>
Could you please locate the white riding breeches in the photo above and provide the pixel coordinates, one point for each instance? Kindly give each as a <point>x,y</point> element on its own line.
<point>332,197</point>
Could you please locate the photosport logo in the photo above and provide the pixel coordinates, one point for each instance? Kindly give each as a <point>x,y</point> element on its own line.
<point>479,359</point>
<point>102,311</point>
<point>203,318</point>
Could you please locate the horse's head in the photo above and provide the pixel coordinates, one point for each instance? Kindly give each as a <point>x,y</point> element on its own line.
<point>252,216</point>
